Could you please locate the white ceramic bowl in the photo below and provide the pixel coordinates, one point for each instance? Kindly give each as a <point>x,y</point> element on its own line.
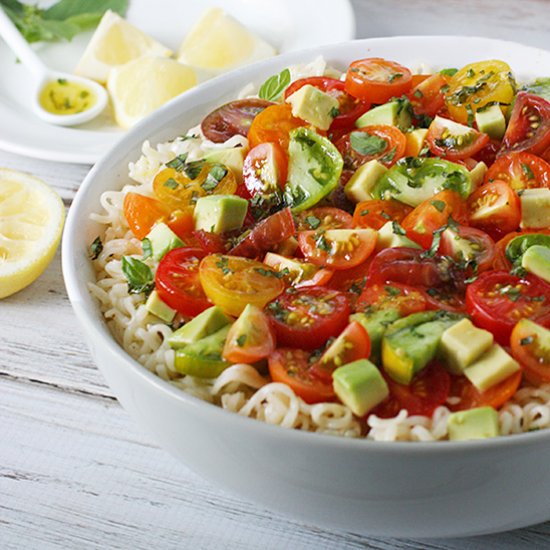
<point>399,489</point>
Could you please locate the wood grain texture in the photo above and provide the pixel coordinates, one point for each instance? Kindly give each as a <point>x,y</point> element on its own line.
<point>76,472</point>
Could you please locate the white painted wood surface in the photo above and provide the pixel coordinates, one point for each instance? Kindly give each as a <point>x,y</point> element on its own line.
<point>76,472</point>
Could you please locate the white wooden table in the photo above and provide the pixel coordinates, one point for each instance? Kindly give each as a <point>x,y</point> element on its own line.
<point>75,470</point>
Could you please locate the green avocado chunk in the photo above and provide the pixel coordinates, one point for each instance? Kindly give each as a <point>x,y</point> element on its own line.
<point>491,121</point>
<point>478,423</point>
<point>206,323</point>
<point>203,358</point>
<point>409,344</point>
<point>314,169</point>
<point>413,180</point>
<point>537,261</point>
<point>220,213</point>
<point>162,240</point>
<point>540,87</point>
<point>519,245</point>
<point>159,308</point>
<point>394,113</point>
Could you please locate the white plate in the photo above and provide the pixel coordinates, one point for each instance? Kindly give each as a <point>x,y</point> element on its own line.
<point>280,22</point>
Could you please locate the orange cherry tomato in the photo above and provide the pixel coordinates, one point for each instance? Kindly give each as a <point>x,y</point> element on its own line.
<point>531,347</point>
<point>427,97</point>
<point>377,213</point>
<point>406,299</point>
<point>520,171</point>
<point>274,125</point>
<point>377,80</point>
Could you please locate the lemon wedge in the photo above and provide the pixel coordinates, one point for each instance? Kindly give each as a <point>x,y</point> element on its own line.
<point>143,85</point>
<point>31,222</point>
<point>218,42</point>
<point>114,43</point>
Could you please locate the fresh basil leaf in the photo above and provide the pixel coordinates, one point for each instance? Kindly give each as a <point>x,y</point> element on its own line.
<point>274,86</point>
<point>365,144</point>
<point>73,9</point>
<point>448,72</point>
<point>215,175</point>
<point>96,248</point>
<point>147,248</point>
<point>139,275</point>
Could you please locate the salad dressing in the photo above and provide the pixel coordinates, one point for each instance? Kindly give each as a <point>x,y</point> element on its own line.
<point>66,97</point>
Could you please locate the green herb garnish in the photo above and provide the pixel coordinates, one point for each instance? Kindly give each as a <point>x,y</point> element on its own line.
<point>139,275</point>
<point>274,86</point>
<point>365,144</point>
<point>96,248</point>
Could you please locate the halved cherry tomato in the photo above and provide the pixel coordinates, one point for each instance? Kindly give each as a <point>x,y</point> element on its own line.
<point>322,218</point>
<point>377,213</point>
<point>351,280</point>
<point>233,118</point>
<point>337,248</point>
<point>432,214</point>
<point>531,347</point>
<point>427,97</point>
<point>308,317</point>
<point>381,142</point>
<point>454,141</point>
<point>529,126</point>
<point>177,281</point>
<point>489,153</point>
<point>274,125</point>
<point>298,274</point>
<point>142,213</point>
<point>479,245</point>
<point>177,190</point>
<point>258,342</point>
<point>520,171</point>
<point>428,390</point>
<point>447,298</point>
<point>211,243</point>
<point>351,345</point>
<point>232,282</point>
<point>377,80</point>
<point>470,397</point>
<point>265,235</point>
<point>406,299</point>
<point>496,301</point>
<point>495,208</point>
<point>350,108</point>
<point>291,367</point>
<point>407,266</point>
<point>265,169</point>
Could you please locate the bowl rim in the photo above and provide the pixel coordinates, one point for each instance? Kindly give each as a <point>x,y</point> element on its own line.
<point>98,330</point>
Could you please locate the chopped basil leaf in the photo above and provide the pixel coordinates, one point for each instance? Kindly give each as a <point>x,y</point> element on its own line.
<point>394,76</point>
<point>438,205</point>
<point>138,275</point>
<point>178,162</point>
<point>322,243</point>
<point>96,248</point>
<point>527,340</point>
<point>392,291</point>
<point>334,112</point>
<point>241,340</point>
<point>147,248</point>
<point>527,171</point>
<point>448,72</point>
<point>274,86</point>
<point>222,263</point>
<point>214,177</point>
<point>365,144</point>
<point>418,94</point>
<point>171,183</point>
<point>389,156</point>
<point>313,222</point>
<point>193,169</point>
<point>397,229</point>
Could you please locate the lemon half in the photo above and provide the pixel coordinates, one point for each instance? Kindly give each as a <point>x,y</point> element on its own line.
<point>114,43</point>
<point>143,85</point>
<point>31,222</point>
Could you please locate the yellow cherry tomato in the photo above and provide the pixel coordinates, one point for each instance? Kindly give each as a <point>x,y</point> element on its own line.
<point>179,187</point>
<point>478,84</point>
<point>232,282</point>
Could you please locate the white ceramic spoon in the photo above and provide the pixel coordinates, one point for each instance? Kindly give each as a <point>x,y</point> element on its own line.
<point>43,75</point>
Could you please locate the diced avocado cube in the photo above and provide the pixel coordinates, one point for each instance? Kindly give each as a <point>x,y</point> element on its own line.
<point>203,358</point>
<point>409,344</point>
<point>536,260</point>
<point>375,322</point>
<point>389,238</point>
<point>159,308</point>
<point>415,141</point>
<point>477,173</point>
<point>492,367</point>
<point>394,113</point>
<point>206,323</point>
<point>478,423</point>
<point>535,207</point>
<point>314,106</point>
<point>232,158</point>
<point>491,121</point>
<point>462,344</point>
<point>220,213</point>
<point>359,186</point>
<point>162,240</point>
<point>360,386</point>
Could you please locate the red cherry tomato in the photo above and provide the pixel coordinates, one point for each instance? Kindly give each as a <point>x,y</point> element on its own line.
<point>529,126</point>
<point>291,367</point>
<point>406,299</point>
<point>381,142</point>
<point>496,301</point>
<point>323,218</point>
<point>520,171</point>
<point>177,281</point>
<point>350,108</point>
<point>479,243</point>
<point>308,317</point>
<point>426,96</point>
<point>265,169</point>
<point>495,208</point>
<point>454,141</point>
<point>377,213</point>
<point>377,80</point>
<point>233,118</point>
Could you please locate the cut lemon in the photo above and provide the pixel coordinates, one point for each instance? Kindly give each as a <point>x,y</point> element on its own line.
<point>143,85</point>
<point>114,43</point>
<point>218,42</point>
<point>31,222</point>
